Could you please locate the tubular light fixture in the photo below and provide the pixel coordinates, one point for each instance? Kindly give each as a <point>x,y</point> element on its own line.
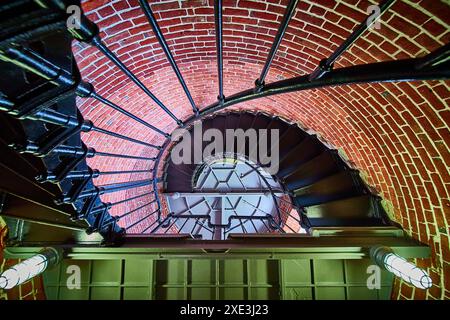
<point>387,259</point>
<point>29,268</point>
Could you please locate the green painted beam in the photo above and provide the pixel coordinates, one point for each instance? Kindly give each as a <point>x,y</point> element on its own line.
<point>239,247</point>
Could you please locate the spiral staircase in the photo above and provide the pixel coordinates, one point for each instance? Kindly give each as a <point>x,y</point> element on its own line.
<point>46,182</point>
<point>325,190</point>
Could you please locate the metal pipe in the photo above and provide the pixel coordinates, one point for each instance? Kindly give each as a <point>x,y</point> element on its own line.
<point>435,58</point>
<point>151,225</point>
<point>95,173</point>
<point>155,186</point>
<point>162,41</point>
<point>108,188</point>
<point>202,226</point>
<point>125,156</point>
<point>104,173</point>
<point>103,189</point>
<point>326,65</point>
<point>128,114</point>
<point>193,228</point>
<point>119,136</point>
<point>97,42</point>
<point>182,226</point>
<point>160,224</point>
<point>58,118</point>
<point>35,63</point>
<point>219,194</point>
<point>134,210</point>
<point>132,198</point>
<point>235,217</point>
<point>73,151</point>
<point>391,71</point>
<point>77,151</point>
<point>140,220</point>
<point>171,225</point>
<point>270,189</point>
<point>51,176</point>
<point>290,9</point>
<point>103,207</point>
<point>55,117</point>
<point>32,61</point>
<point>110,205</point>
<point>219,45</point>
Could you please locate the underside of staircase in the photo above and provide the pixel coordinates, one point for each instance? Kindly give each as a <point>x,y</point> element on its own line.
<point>44,160</point>
<point>323,187</point>
<point>230,206</point>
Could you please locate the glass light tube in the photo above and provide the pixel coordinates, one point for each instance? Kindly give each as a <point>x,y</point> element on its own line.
<point>27,269</point>
<point>403,269</point>
<point>407,271</point>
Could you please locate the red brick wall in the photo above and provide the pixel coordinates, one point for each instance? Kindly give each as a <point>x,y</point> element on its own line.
<point>397,133</point>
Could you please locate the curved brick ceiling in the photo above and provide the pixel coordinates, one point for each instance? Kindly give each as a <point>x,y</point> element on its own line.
<point>397,133</point>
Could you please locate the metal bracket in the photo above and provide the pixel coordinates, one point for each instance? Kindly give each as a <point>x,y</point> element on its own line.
<point>49,142</point>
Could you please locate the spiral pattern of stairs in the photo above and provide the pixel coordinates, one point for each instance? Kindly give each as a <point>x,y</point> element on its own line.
<point>325,187</point>
<point>41,128</point>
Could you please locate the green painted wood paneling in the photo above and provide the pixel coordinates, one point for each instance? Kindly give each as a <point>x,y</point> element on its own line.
<point>192,279</point>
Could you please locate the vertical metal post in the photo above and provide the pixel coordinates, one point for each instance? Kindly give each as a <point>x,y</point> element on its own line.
<point>128,114</point>
<point>290,9</point>
<point>326,65</point>
<point>96,41</point>
<point>162,41</point>
<point>120,136</point>
<point>219,46</point>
